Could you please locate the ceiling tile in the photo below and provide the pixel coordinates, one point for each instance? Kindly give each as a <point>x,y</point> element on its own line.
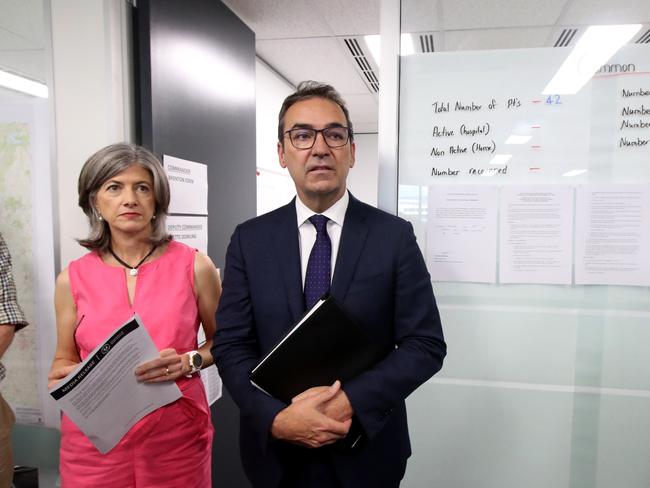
<point>419,16</point>
<point>482,14</point>
<point>24,19</point>
<point>514,38</point>
<point>607,12</point>
<point>281,19</point>
<point>347,18</point>
<point>287,19</point>
<point>312,59</point>
<point>11,41</point>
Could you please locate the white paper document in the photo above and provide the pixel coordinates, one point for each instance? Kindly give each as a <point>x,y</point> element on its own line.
<point>210,375</point>
<point>613,234</point>
<point>212,383</point>
<point>189,229</point>
<point>535,234</point>
<point>188,184</point>
<point>462,233</point>
<point>102,396</point>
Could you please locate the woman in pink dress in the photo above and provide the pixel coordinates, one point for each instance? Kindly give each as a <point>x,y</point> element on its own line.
<point>135,267</point>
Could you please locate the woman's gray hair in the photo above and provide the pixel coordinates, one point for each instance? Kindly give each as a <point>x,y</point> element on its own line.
<point>104,165</point>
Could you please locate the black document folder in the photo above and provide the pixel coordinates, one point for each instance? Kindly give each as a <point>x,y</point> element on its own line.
<point>325,346</point>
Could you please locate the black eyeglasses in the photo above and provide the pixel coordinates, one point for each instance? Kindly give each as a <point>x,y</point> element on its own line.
<point>305,138</point>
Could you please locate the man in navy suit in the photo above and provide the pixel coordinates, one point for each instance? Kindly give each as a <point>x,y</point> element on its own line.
<point>368,260</point>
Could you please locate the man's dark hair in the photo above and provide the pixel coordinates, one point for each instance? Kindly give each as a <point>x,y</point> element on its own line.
<point>312,89</point>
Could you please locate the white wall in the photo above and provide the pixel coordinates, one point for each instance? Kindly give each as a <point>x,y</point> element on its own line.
<point>92,99</point>
<point>363,177</point>
<point>274,185</point>
<point>270,92</point>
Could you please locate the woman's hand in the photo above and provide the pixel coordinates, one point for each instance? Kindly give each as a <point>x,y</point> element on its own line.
<point>57,373</point>
<point>168,367</point>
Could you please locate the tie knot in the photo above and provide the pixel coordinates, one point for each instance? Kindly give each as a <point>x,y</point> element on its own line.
<point>319,221</point>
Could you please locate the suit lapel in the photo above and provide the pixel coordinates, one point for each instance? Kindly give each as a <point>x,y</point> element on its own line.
<point>353,238</point>
<point>285,238</point>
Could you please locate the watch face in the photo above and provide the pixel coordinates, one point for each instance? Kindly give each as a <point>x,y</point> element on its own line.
<point>197,360</point>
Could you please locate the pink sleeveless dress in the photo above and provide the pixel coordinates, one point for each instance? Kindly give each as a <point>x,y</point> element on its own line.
<point>172,446</point>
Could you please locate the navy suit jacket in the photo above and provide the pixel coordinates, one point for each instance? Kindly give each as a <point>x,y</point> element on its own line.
<point>381,279</point>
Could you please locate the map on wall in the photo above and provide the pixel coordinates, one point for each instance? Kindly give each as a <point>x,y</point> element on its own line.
<point>20,387</point>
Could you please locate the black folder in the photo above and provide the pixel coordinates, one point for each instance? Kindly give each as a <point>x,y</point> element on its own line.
<point>324,346</point>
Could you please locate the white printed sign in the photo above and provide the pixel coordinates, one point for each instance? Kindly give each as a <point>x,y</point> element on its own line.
<point>188,183</point>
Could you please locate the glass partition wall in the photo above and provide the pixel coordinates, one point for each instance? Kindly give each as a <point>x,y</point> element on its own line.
<point>524,143</point>
<point>27,220</point>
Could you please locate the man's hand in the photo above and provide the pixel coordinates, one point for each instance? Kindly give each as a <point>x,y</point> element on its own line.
<point>338,407</point>
<point>304,423</point>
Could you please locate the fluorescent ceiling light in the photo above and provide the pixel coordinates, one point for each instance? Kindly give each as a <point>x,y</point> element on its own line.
<point>595,47</point>
<point>514,139</point>
<point>575,172</point>
<point>406,45</point>
<point>22,84</point>
<point>500,158</point>
<point>374,45</point>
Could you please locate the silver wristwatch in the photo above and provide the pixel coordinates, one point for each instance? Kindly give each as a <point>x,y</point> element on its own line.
<point>196,361</point>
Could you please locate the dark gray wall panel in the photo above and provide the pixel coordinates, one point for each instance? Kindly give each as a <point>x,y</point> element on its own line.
<point>196,101</point>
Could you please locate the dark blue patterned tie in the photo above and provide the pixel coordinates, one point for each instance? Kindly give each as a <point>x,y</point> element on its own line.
<point>317,278</point>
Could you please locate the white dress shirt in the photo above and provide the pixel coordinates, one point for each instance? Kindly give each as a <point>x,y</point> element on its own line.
<point>307,231</point>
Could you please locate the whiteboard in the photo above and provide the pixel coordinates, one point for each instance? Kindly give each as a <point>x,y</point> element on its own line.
<point>481,117</point>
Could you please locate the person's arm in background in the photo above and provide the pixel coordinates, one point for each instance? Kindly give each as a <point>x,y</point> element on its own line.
<point>6,336</point>
<point>66,356</point>
<point>11,315</point>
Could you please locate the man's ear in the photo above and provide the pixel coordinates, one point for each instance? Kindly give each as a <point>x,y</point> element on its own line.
<point>281,155</point>
<point>353,150</point>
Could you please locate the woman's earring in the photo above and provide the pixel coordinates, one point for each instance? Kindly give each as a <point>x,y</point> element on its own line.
<point>99,216</point>
<point>154,217</point>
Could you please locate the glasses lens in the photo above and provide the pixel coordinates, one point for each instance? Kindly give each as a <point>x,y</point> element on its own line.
<point>305,138</point>
<point>302,138</point>
<point>336,136</point>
